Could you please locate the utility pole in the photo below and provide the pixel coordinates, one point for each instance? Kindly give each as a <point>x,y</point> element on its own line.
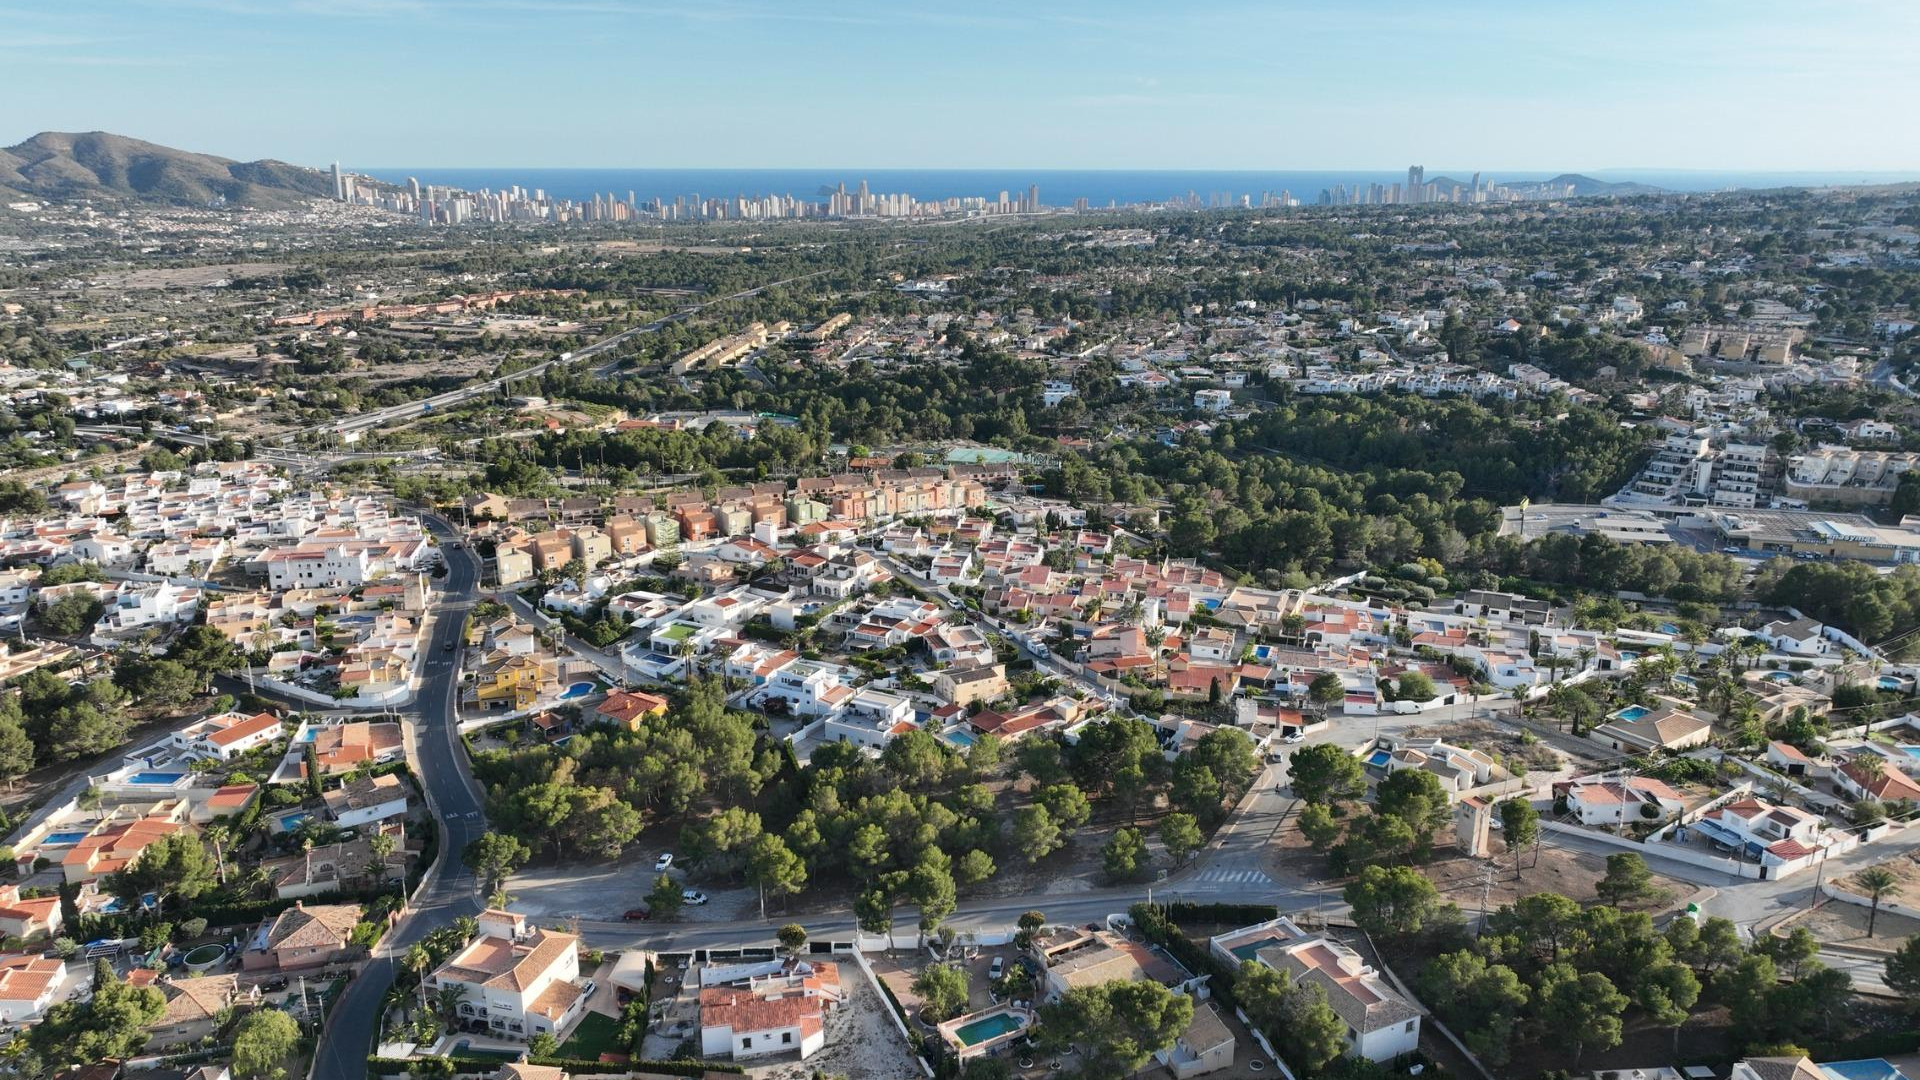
<point>1486,889</point>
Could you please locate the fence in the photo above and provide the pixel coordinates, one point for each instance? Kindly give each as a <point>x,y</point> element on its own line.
<point>1430,1016</point>
<point>893,1009</point>
<point>399,695</point>
<point>1833,890</point>
<point>1729,865</point>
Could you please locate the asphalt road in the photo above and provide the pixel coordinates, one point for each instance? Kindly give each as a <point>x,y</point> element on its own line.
<point>454,800</point>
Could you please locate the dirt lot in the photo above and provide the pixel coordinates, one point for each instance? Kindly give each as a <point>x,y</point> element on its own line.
<point>1462,879</point>
<point>862,1040</point>
<point>190,277</point>
<point>1906,867</point>
<point>1513,746</point>
<point>1846,924</point>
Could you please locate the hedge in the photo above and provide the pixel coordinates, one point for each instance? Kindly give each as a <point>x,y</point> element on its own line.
<point>1161,926</point>
<point>1185,911</point>
<point>1875,1044</point>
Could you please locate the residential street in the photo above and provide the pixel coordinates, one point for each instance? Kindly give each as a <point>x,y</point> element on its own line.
<point>454,798</point>
<point>1235,866</point>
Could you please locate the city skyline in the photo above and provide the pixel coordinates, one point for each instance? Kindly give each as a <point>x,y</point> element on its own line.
<point>1120,86</point>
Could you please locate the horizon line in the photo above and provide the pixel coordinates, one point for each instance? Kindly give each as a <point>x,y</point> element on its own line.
<point>1550,171</point>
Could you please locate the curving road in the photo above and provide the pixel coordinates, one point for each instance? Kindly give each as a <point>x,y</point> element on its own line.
<point>454,800</point>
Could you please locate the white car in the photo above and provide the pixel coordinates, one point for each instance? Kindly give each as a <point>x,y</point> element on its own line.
<point>693,896</point>
<point>663,864</point>
<point>1296,737</point>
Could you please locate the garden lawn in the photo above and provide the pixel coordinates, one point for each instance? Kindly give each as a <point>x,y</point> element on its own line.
<point>597,1034</point>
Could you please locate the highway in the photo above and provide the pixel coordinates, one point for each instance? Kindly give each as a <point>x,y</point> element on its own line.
<point>453,798</point>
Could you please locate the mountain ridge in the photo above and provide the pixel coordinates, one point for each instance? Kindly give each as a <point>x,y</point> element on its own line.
<point>1582,184</point>
<point>65,166</point>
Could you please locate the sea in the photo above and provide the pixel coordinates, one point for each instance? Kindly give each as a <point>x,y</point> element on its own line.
<point>1058,187</point>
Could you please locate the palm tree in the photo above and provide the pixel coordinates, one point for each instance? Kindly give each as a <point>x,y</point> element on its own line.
<point>1876,882</point>
<point>258,881</point>
<point>380,845</point>
<point>417,960</point>
<point>449,998</point>
<point>218,837</point>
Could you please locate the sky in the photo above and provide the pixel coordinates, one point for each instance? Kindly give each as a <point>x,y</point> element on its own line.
<point>1578,85</point>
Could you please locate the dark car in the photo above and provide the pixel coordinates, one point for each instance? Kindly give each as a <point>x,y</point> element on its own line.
<point>638,914</point>
<point>273,986</point>
<point>449,646</point>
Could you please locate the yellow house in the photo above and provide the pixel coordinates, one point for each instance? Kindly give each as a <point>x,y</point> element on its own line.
<point>516,682</point>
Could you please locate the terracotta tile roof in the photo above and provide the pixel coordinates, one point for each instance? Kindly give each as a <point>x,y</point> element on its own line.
<point>743,1011</point>
<point>319,927</point>
<point>244,727</point>
<point>25,978</point>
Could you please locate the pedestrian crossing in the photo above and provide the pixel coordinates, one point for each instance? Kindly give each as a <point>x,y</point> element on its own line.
<point>1233,877</point>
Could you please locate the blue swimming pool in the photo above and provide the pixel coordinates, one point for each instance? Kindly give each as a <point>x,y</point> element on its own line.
<point>65,837</point>
<point>1632,712</point>
<point>1669,628</point>
<point>577,690</point>
<point>1379,757</point>
<point>959,738</point>
<point>1777,676</point>
<point>154,777</point>
<point>1890,682</point>
<point>1911,751</point>
<point>292,821</point>
<point>986,1028</point>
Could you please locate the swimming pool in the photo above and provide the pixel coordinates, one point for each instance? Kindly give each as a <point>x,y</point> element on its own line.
<point>1890,682</point>
<point>959,738</point>
<point>1380,757</point>
<point>579,689</point>
<point>1669,628</point>
<point>987,1027</point>
<point>1632,712</point>
<point>157,779</point>
<point>1777,676</point>
<point>1911,751</point>
<point>292,821</point>
<point>65,838</point>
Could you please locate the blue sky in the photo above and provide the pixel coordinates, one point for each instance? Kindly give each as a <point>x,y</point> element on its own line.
<point>1233,84</point>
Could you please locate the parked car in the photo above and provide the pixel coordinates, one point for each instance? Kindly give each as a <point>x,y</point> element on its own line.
<point>693,896</point>
<point>998,966</point>
<point>638,914</point>
<point>274,985</point>
<point>664,863</point>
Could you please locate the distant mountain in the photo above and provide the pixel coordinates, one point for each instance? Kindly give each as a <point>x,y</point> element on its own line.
<point>97,165</point>
<point>1587,185</point>
<point>1583,186</point>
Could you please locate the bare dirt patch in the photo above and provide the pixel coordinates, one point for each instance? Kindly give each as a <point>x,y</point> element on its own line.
<point>862,1040</point>
<point>1516,748</point>
<point>1840,923</point>
<point>190,277</point>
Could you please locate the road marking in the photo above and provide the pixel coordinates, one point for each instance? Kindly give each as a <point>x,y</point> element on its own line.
<point>1234,877</point>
